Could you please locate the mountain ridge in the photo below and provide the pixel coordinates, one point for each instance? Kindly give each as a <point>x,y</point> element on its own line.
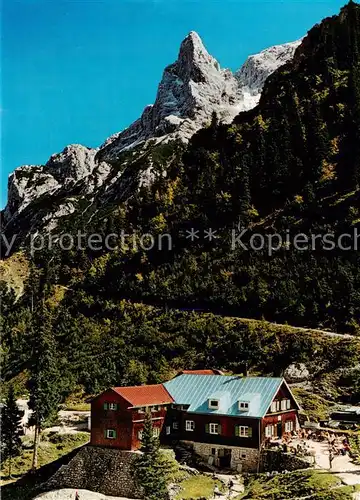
<point>191,90</point>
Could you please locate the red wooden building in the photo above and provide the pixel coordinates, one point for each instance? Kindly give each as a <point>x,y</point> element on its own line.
<point>225,419</point>
<point>117,415</point>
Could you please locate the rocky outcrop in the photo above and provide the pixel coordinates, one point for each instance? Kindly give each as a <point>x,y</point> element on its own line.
<point>253,74</point>
<point>102,470</point>
<point>62,172</point>
<point>297,372</point>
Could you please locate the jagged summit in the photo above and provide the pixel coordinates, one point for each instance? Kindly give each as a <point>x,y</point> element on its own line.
<point>194,61</point>
<point>192,88</point>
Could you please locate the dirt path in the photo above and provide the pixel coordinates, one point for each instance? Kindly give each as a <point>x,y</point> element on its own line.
<point>342,465</point>
<point>238,486</point>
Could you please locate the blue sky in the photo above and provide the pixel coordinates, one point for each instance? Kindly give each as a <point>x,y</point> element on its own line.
<point>76,71</point>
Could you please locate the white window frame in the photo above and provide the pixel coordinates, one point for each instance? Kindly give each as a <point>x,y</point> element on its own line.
<point>140,434</point>
<point>288,404</point>
<point>289,426</point>
<point>176,425</point>
<point>112,406</point>
<point>275,406</point>
<point>110,433</point>
<point>243,455</point>
<point>283,405</point>
<point>168,430</point>
<point>214,428</point>
<point>269,430</point>
<point>142,409</point>
<point>211,406</point>
<point>244,405</point>
<point>243,431</point>
<point>155,408</point>
<point>189,425</point>
<point>156,432</point>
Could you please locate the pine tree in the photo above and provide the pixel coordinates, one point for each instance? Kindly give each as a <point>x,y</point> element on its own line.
<point>11,429</point>
<point>150,469</point>
<point>44,379</point>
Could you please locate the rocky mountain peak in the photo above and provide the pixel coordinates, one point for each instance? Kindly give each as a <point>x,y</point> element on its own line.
<point>194,62</point>
<point>191,89</point>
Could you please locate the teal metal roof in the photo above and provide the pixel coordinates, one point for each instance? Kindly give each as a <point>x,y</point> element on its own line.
<point>196,390</point>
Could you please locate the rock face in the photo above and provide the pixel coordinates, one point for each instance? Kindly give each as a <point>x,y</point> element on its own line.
<point>191,89</point>
<point>114,475</point>
<point>297,372</point>
<point>257,68</point>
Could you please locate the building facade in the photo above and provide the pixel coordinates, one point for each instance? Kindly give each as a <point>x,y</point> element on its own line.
<point>225,419</point>
<point>117,415</point>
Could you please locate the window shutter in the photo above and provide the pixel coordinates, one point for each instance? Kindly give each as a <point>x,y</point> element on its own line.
<point>249,432</point>
<point>116,406</point>
<point>237,431</point>
<point>219,429</point>
<point>106,406</point>
<point>115,434</point>
<point>105,434</point>
<point>207,428</point>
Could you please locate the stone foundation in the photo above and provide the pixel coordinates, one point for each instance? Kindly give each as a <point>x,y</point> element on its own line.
<point>103,470</point>
<point>242,459</point>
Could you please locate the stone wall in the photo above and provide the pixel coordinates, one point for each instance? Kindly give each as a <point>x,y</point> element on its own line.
<point>272,460</point>
<point>102,470</point>
<point>242,459</point>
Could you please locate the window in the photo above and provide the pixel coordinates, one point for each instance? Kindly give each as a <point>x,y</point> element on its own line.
<point>289,426</point>
<point>243,405</point>
<point>156,431</point>
<point>269,431</point>
<point>142,409</point>
<point>110,433</point>
<point>189,425</point>
<point>168,430</point>
<point>214,428</point>
<point>112,406</point>
<point>243,431</point>
<point>288,404</point>
<point>213,451</point>
<point>155,408</point>
<point>140,435</point>
<point>243,455</point>
<point>283,404</point>
<point>275,406</point>
<point>175,425</point>
<point>214,404</point>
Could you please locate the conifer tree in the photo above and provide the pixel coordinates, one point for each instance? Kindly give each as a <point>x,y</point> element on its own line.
<point>11,429</point>
<point>150,469</point>
<point>44,379</point>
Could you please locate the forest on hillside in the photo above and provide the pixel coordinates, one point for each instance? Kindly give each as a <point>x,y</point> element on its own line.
<point>290,166</point>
